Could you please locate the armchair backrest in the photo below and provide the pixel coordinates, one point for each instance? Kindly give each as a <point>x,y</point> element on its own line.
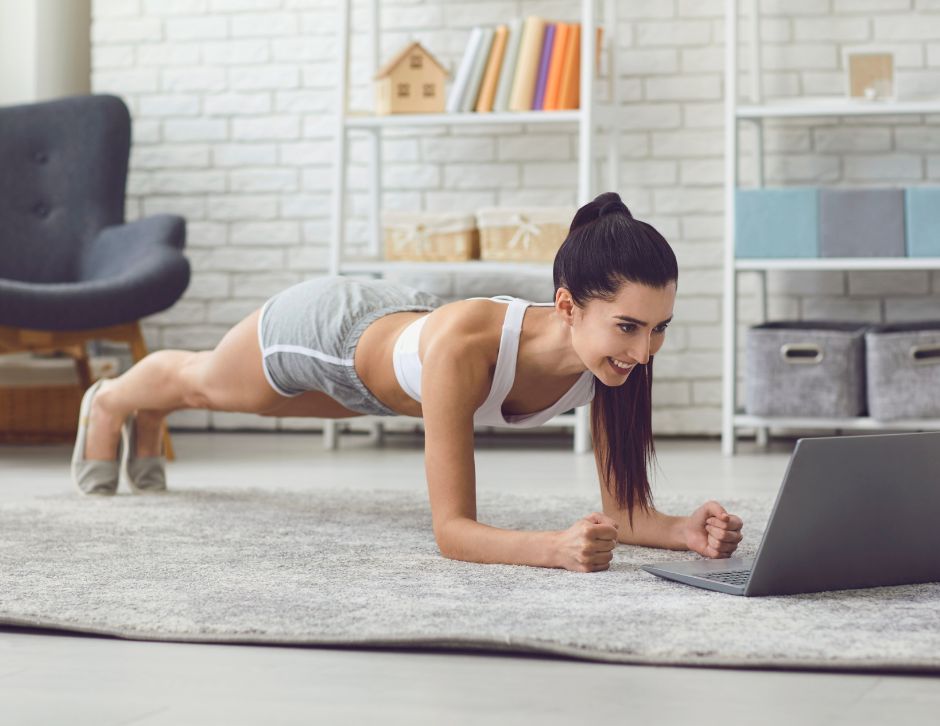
<point>63,170</point>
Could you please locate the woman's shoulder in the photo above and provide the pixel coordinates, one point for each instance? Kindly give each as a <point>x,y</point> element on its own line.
<point>473,315</point>
<point>471,326</point>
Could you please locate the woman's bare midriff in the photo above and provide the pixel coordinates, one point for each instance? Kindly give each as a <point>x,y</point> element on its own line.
<point>374,365</point>
<point>373,362</point>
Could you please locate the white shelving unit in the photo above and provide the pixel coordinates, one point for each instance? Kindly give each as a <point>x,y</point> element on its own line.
<point>588,119</point>
<point>755,113</point>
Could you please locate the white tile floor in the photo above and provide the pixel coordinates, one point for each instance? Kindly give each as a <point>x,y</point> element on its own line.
<point>57,678</point>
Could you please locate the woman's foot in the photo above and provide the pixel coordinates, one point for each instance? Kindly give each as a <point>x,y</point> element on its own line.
<point>104,428</point>
<point>143,464</point>
<point>94,467</point>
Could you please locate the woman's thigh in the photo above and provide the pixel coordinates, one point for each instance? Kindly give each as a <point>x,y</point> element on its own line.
<point>233,380</point>
<point>230,377</point>
<point>310,404</point>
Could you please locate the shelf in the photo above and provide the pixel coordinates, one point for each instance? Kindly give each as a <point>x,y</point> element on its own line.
<point>363,120</point>
<point>478,266</point>
<point>841,263</point>
<point>836,107</point>
<point>738,108</point>
<point>597,117</point>
<point>860,423</point>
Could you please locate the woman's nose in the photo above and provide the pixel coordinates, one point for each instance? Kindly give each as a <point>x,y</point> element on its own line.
<point>640,352</point>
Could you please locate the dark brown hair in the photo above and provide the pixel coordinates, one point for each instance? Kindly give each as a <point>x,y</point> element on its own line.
<point>605,248</point>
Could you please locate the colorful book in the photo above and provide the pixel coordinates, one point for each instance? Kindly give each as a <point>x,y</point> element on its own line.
<point>569,83</point>
<point>491,75</point>
<point>480,57</point>
<point>508,71</point>
<point>459,88</point>
<point>554,69</point>
<point>569,94</point>
<point>547,41</point>
<point>527,65</point>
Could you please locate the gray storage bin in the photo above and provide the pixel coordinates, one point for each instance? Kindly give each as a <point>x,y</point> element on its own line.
<point>805,368</point>
<point>904,370</point>
<point>861,223</point>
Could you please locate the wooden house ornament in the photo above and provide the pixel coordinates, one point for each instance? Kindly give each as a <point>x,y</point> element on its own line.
<point>411,82</point>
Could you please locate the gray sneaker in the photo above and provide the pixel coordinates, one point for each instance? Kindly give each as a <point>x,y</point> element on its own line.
<point>144,475</point>
<point>92,476</point>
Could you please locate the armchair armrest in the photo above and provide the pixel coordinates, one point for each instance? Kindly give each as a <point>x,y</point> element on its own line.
<point>143,249</point>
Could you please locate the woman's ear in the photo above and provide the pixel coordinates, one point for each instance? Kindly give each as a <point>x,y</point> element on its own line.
<point>564,305</point>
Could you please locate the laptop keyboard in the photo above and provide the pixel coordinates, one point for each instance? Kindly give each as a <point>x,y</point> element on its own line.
<point>732,577</point>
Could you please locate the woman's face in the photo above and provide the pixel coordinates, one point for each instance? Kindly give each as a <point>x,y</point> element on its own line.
<point>612,336</point>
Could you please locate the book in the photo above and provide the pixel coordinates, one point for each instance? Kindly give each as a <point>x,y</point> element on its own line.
<point>463,72</point>
<point>545,58</point>
<point>480,55</point>
<point>554,69</point>
<point>569,83</point>
<point>523,85</point>
<point>508,71</point>
<point>569,93</point>
<point>491,75</point>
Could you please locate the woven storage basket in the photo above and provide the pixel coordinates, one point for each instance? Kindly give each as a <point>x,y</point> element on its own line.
<point>805,369</point>
<point>430,236</point>
<point>39,415</point>
<point>530,234</point>
<point>903,370</point>
<point>40,398</point>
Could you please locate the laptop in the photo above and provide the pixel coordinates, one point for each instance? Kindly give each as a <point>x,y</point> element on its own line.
<point>852,512</point>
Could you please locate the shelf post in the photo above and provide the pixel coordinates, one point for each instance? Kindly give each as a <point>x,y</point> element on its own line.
<point>337,231</point>
<point>339,147</point>
<point>582,429</point>
<point>613,97</point>
<point>586,102</point>
<point>729,368</point>
<point>375,141</point>
<point>375,171</point>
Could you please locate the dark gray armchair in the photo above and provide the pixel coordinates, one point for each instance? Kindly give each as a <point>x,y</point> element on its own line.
<point>71,269</point>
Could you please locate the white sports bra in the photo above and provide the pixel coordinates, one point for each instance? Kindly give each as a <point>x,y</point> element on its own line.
<point>408,371</point>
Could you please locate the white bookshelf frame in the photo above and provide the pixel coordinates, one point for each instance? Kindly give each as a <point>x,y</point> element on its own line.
<point>755,112</point>
<point>588,118</point>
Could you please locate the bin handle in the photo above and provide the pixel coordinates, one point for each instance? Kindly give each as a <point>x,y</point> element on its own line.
<point>801,353</point>
<point>925,355</point>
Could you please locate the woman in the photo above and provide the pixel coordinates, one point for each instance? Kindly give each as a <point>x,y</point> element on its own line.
<point>333,347</point>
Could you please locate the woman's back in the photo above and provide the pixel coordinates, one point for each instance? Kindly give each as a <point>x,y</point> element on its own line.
<point>491,332</point>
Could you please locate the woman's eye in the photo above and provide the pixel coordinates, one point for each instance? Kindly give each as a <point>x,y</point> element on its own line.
<point>628,328</point>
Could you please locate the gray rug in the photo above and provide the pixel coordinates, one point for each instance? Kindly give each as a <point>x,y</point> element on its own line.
<point>361,568</point>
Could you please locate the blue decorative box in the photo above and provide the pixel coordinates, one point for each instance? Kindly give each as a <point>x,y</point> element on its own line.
<point>922,215</point>
<point>861,223</point>
<point>777,223</point>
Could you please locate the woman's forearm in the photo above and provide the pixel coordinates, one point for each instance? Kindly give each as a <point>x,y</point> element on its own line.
<point>652,529</point>
<point>470,541</point>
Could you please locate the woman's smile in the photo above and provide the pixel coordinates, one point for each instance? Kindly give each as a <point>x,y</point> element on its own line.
<point>621,368</point>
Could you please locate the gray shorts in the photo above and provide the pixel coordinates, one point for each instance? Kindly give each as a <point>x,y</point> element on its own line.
<point>308,335</point>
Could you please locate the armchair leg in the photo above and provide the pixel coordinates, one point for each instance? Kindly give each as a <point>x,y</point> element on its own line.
<point>79,354</point>
<point>139,352</point>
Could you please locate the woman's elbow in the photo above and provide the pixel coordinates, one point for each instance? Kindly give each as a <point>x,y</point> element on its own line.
<point>447,542</point>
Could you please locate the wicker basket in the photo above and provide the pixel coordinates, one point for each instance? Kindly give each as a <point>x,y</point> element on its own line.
<point>39,415</point>
<point>40,398</point>
<point>430,236</point>
<point>528,234</point>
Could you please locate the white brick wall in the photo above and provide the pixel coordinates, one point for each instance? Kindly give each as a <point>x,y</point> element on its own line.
<point>232,100</point>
